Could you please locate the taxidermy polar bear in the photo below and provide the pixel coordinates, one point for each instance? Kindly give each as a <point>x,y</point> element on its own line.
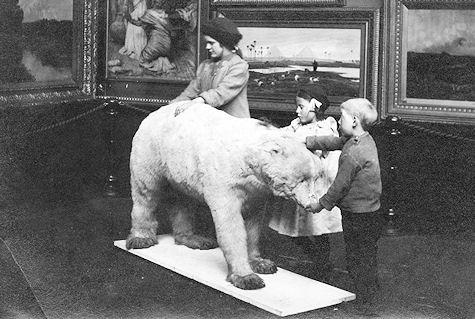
<point>205,157</point>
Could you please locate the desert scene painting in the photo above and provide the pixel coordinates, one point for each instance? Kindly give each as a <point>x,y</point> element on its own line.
<point>283,59</point>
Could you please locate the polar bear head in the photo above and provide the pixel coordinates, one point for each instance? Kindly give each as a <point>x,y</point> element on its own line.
<point>288,169</point>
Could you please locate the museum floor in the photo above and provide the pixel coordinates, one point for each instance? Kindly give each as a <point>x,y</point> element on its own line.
<point>58,261</point>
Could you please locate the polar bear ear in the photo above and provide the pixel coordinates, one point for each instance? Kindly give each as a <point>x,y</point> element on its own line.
<point>258,158</point>
<point>272,148</point>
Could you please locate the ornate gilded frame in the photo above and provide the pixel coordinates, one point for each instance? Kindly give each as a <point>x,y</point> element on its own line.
<point>141,90</point>
<point>82,84</point>
<point>365,19</point>
<point>313,3</point>
<point>419,109</point>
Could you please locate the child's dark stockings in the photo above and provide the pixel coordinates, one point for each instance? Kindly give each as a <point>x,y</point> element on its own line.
<point>317,248</point>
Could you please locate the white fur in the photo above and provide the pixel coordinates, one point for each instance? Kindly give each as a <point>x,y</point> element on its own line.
<point>230,164</point>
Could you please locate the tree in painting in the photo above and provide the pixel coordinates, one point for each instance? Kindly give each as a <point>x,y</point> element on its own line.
<point>11,68</point>
<point>37,38</point>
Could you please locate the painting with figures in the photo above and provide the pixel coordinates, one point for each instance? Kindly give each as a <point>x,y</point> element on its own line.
<point>152,39</point>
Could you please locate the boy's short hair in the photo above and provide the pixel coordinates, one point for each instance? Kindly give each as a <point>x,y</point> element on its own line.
<point>315,92</point>
<point>363,109</point>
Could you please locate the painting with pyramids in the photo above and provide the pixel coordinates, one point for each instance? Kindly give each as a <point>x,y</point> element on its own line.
<point>283,59</point>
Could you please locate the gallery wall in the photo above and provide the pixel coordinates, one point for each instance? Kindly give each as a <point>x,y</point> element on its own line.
<point>427,163</point>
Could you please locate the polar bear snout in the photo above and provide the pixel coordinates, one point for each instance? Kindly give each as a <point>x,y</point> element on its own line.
<point>308,204</point>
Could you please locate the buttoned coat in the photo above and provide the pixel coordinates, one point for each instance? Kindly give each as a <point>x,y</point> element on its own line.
<point>222,84</point>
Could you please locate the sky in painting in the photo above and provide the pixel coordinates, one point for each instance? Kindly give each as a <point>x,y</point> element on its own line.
<point>34,10</point>
<point>317,43</point>
<point>437,31</point>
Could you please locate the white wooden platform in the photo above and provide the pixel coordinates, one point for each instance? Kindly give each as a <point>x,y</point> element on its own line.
<point>285,293</point>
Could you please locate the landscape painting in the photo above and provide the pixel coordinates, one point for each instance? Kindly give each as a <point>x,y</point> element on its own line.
<point>283,59</point>
<point>152,39</point>
<point>441,54</point>
<point>37,41</point>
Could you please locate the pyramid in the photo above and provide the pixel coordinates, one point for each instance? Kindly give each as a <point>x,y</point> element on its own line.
<point>305,53</point>
<point>275,53</point>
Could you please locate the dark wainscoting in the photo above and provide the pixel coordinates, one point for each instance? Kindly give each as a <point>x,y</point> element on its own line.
<point>427,169</point>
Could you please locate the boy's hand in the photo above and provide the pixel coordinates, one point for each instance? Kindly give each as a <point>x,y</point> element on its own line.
<point>315,208</point>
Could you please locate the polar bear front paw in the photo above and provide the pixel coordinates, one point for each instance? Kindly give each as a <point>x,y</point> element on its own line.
<point>133,242</point>
<point>263,266</point>
<point>248,282</point>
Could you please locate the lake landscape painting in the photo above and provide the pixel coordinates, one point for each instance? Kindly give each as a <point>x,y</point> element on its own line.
<point>37,36</point>
<point>281,60</point>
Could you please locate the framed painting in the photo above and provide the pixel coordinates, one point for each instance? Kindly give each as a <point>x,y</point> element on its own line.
<point>291,48</point>
<point>432,61</point>
<point>49,51</point>
<point>312,3</point>
<point>151,48</point>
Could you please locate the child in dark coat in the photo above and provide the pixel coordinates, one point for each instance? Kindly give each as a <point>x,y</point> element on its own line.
<point>356,191</point>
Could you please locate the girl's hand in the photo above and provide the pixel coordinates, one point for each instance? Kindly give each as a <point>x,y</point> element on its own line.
<point>182,107</point>
<point>199,99</point>
<point>301,138</point>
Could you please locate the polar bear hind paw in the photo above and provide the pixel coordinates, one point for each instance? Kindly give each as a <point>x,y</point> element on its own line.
<point>247,282</point>
<point>263,266</point>
<point>133,242</point>
<point>196,242</point>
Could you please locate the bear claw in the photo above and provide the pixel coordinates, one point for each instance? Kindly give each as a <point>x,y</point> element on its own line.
<point>263,266</point>
<point>248,282</point>
<point>140,242</point>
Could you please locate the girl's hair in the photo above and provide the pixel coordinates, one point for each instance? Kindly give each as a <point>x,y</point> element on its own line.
<point>363,109</point>
<point>317,94</point>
